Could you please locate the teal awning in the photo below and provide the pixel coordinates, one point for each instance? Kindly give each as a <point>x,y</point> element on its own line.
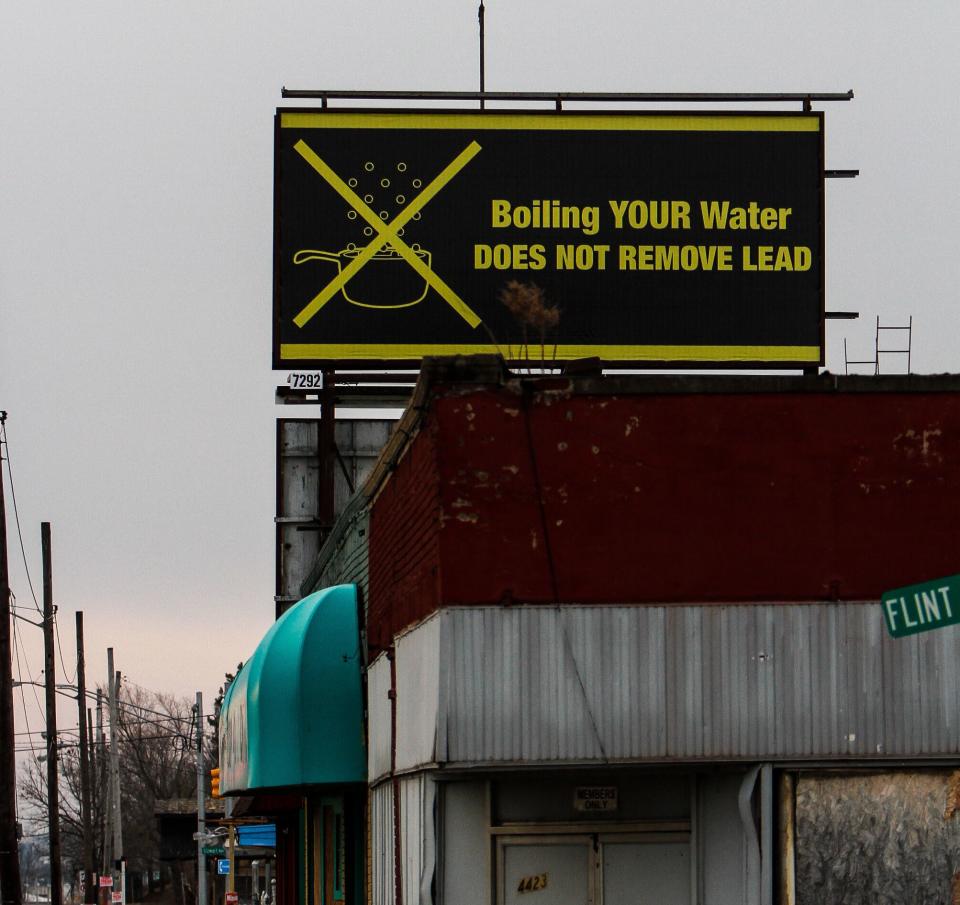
<point>294,714</point>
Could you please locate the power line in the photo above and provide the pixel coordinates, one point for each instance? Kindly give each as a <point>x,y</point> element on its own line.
<point>56,633</point>
<point>16,514</point>
<point>17,644</point>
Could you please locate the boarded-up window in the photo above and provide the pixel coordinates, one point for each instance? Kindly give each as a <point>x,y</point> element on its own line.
<point>877,839</point>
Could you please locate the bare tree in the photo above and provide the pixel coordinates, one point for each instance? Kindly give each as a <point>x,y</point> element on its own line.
<point>213,752</point>
<point>156,737</point>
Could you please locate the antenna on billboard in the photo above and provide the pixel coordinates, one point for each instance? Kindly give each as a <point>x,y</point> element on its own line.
<point>480,13</point>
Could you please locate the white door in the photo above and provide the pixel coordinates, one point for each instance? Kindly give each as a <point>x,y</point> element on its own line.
<point>646,873</point>
<point>542,871</point>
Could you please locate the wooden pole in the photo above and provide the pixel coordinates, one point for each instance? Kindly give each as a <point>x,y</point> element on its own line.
<point>50,687</point>
<point>10,890</point>
<point>102,789</point>
<point>201,808</point>
<point>116,826</point>
<point>89,894</point>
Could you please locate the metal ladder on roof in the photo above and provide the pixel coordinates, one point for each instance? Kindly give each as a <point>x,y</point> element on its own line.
<point>883,331</point>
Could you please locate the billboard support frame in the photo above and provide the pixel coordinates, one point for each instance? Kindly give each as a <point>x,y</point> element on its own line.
<point>805,98</point>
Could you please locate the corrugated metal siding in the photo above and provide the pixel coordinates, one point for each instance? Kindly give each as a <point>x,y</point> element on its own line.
<point>417,841</point>
<point>378,722</point>
<point>415,822</point>
<point>546,684</point>
<point>418,694</point>
<point>381,845</point>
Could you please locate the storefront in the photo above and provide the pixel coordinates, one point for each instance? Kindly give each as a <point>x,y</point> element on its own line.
<point>292,747</point>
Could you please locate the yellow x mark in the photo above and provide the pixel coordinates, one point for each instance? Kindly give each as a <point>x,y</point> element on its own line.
<point>387,233</point>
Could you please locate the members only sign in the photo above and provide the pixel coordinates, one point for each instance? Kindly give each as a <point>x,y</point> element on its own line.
<point>675,239</point>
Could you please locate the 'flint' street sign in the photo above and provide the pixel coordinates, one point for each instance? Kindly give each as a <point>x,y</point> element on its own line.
<point>922,607</point>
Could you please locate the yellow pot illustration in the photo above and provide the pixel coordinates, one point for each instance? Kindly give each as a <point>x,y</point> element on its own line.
<point>385,281</point>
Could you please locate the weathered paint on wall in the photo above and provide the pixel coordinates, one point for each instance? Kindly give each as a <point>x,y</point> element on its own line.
<point>347,560</point>
<point>883,839</point>
<point>404,543</point>
<point>535,491</point>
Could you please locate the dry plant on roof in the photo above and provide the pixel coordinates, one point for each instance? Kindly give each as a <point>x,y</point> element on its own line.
<point>537,318</point>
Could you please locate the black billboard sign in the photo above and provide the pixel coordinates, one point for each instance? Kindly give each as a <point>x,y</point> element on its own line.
<point>674,239</point>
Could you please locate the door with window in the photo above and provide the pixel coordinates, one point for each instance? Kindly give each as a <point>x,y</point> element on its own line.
<point>600,869</point>
<point>329,853</point>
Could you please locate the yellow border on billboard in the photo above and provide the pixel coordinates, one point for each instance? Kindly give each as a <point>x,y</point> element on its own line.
<point>293,352</point>
<point>627,122</point>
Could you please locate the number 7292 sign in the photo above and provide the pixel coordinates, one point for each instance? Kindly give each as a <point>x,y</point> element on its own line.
<point>922,607</point>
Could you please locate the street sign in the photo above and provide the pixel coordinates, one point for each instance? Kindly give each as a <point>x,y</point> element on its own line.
<point>218,851</point>
<point>106,882</point>
<point>116,897</point>
<point>922,607</point>
<point>231,898</point>
<point>223,866</point>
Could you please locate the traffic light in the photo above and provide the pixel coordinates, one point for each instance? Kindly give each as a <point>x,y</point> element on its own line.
<point>215,782</point>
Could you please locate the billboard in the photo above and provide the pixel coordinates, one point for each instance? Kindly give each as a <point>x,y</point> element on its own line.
<point>656,239</point>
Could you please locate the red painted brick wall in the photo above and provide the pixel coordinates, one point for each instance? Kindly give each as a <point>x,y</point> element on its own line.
<point>404,543</point>
<point>669,498</point>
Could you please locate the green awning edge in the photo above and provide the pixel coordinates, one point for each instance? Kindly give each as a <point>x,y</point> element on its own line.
<point>294,714</point>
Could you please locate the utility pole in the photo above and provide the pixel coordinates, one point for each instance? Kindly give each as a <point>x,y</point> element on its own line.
<point>232,855</point>
<point>96,835</point>
<point>10,891</point>
<point>116,827</point>
<point>105,803</point>
<point>201,808</point>
<point>89,893</point>
<point>50,680</point>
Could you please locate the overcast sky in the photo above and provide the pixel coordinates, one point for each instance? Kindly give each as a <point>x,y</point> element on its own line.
<point>135,249</point>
